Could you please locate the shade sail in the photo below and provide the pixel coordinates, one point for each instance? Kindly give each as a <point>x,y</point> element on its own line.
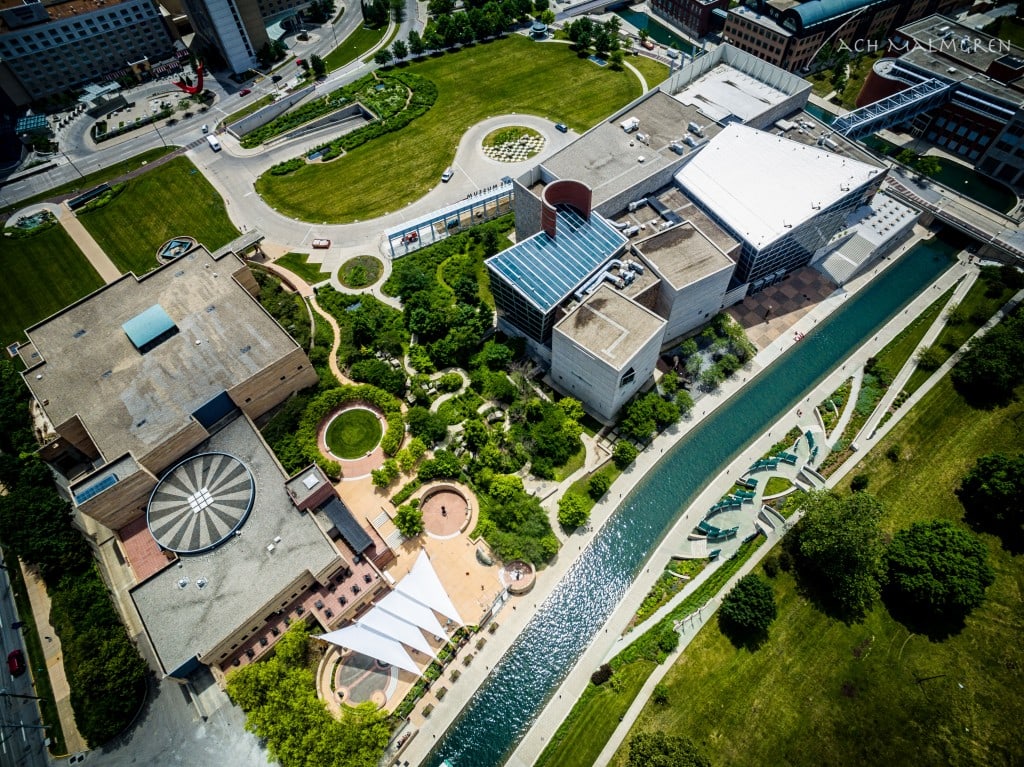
<point>378,646</point>
<point>410,610</point>
<point>397,628</point>
<point>423,585</point>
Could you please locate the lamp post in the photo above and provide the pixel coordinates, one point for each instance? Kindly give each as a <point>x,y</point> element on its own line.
<point>72,164</point>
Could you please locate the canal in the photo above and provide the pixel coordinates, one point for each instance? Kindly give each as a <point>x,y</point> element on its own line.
<point>510,699</point>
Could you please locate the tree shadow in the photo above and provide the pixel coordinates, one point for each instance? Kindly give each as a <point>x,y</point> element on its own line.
<point>741,637</point>
<point>920,620</point>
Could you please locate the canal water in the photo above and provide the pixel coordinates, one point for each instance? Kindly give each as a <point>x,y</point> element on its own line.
<point>511,698</point>
<point>657,32</point>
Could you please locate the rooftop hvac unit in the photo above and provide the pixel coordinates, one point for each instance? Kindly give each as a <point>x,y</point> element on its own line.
<point>643,138</point>
<point>690,141</point>
<point>631,231</point>
<point>694,128</point>
<point>270,548</point>
<point>630,125</point>
<point>636,204</point>
<point>676,147</point>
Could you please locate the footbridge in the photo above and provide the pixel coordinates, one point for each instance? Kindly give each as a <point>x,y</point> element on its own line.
<point>899,108</point>
<point>1000,233</point>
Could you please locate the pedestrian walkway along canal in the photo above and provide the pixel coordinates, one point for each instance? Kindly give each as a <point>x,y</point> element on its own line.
<point>505,705</point>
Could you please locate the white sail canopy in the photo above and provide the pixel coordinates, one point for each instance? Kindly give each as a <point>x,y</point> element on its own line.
<point>368,642</point>
<point>408,609</point>
<point>423,585</point>
<point>392,626</point>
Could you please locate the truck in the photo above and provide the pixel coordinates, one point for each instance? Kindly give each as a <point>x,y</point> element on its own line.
<point>214,143</point>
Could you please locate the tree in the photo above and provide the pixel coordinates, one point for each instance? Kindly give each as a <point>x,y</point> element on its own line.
<point>317,65</point>
<point>386,474</point>
<point>430,427</point>
<point>409,520</point>
<point>573,511</point>
<point>928,165</point>
<point>712,378</point>
<point>598,485</point>
<point>839,543</point>
<point>624,454</point>
<point>907,157</point>
<point>748,609</point>
<point>993,365</point>
<point>937,571</point>
<point>400,49</point>
<point>656,749</point>
<point>397,10</point>
<point>992,493</point>
<point>616,59</point>
<point>931,357</point>
<point>441,7</point>
<point>505,487</point>
<point>684,402</point>
<point>572,408</point>
<point>416,46</point>
<point>382,57</point>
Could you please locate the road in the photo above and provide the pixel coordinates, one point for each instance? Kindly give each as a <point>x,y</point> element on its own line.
<point>21,743</point>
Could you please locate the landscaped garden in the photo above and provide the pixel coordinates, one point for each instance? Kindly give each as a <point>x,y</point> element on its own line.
<point>360,272</point>
<point>353,433</point>
<point>355,46</point>
<point>877,689</point>
<point>137,217</point>
<point>298,264</point>
<point>44,271</point>
<point>497,77</point>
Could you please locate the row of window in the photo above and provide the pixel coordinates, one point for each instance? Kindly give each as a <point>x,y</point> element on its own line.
<point>13,45</point>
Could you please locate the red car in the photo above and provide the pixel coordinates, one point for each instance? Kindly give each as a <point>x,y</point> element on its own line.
<point>411,237</point>
<point>245,92</point>
<point>16,662</point>
<point>319,243</point>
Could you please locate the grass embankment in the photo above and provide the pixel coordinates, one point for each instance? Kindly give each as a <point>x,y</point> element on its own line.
<point>978,306</point>
<point>34,656</point>
<point>98,176</point>
<point>42,274</point>
<point>822,692</point>
<point>585,731</point>
<point>170,201</point>
<point>355,45</point>
<point>298,263</point>
<point>248,109</point>
<point>832,406</point>
<point>483,80</point>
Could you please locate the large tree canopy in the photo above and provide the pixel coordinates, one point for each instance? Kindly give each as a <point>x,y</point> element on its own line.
<point>839,544</point>
<point>749,609</point>
<point>992,493</point>
<point>937,570</point>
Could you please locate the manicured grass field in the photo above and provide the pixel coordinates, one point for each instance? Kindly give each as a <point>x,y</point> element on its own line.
<point>299,264</point>
<point>354,46</point>
<point>499,77</point>
<point>361,271</point>
<point>822,692</point>
<point>41,275</point>
<point>896,353</point>
<point>353,434</point>
<point>169,201</point>
<point>654,72</point>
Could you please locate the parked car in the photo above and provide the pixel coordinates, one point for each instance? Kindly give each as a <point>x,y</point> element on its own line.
<point>321,244</point>
<point>16,662</point>
<point>410,237</point>
<point>206,129</point>
<point>245,91</point>
<point>561,127</point>
<point>447,175</point>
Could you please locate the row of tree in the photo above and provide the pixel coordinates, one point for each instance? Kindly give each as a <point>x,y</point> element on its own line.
<point>105,671</point>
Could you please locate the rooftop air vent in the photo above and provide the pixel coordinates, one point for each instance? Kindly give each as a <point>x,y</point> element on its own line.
<point>182,583</point>
<point>201,582</point>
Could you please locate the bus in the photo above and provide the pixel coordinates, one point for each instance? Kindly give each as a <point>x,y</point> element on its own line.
<point>214,143</point>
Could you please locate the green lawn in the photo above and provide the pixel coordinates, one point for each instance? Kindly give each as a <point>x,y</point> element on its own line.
<point>654,72</point>
<point>353,434</point>
<point>171,200</point>
<point>776,485</point>
<point>354,46</point>
<point>41,274</point>
<point>298,263</point>
<point>1008,28</point>
<point>822,692</point>
<point>571,466</point>
<point>499,77</point>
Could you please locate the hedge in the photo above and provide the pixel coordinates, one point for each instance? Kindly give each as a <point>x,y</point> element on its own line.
<point>327,402</point>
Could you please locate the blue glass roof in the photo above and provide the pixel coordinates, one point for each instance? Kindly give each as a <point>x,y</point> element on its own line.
<point>143,328</point>
<point>546,270</point>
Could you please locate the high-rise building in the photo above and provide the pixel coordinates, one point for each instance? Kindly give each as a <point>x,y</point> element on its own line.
<point>48,48</point>
<point>236,30</point>
<point>696,17</point>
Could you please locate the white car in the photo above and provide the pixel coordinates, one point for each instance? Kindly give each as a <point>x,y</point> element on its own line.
<point>447,175</point>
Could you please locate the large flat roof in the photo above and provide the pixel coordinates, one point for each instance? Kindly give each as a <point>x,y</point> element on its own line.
<point>971,48</point>
<point>606,158</point>
<point>726,91</point>
<point>610,326</point>
<point>132,401</point>
<point>546,269</point>
<point>761,185</point>
<point>238,577</point>
<point>683,255</point>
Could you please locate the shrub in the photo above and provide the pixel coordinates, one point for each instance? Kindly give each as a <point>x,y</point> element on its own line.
<point>660,694</point>
<point>859,482</point>
<point>598,485</point>
<point>409,520</point>
<point>573,511</point>
<point>602,675</point>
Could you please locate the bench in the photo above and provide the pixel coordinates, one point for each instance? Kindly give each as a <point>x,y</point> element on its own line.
<point>747,482</point>
<point>746,495</point>
<point>788,458</point>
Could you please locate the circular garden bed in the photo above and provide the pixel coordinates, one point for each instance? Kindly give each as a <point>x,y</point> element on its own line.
<point>360,272</point>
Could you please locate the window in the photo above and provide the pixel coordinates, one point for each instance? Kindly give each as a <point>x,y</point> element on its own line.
<point>627,378</point>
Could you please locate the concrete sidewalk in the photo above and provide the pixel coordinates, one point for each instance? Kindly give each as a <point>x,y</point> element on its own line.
<point>53,658</point>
